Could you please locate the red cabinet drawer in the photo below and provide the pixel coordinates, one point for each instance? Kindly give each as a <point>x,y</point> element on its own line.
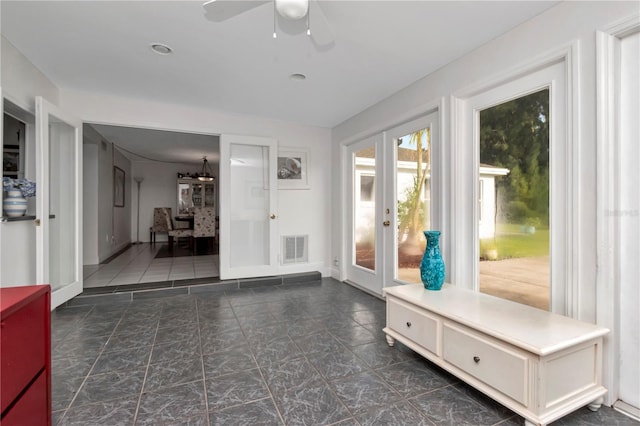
<point>32,408</point>
<point>23,342</point>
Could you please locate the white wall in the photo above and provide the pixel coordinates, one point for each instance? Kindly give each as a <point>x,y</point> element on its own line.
<point>21,82</point>
<point>90,204</point>
<point>299,211</point>
<point>121,236</point>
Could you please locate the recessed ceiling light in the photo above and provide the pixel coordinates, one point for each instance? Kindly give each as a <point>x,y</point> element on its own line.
<point>298,77</point>
<point>161,49</point>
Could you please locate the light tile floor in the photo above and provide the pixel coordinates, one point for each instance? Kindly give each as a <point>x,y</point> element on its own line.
<point>139,265</point>
<point>297,354</point>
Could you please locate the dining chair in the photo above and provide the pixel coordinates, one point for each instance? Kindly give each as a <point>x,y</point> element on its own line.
<point>159,223</point>
<point>204,224</point>
<point>176,233</point>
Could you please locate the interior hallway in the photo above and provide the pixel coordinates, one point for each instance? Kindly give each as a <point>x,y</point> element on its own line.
<point>139,264</point>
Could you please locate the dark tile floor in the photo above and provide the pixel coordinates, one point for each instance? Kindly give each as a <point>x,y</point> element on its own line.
<point>296,354</point>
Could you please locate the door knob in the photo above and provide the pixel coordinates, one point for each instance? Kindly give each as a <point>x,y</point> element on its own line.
<point>37,222</point>
<point>273,216</point>
<point>386,223</point>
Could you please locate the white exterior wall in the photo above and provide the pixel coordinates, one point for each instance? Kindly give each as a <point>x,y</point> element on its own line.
<point>487,223</point>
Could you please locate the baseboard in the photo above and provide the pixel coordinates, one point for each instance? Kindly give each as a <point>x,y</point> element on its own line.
<point>627,410</point>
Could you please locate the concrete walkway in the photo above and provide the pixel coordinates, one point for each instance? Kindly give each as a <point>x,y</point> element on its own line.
<point>524,280</point>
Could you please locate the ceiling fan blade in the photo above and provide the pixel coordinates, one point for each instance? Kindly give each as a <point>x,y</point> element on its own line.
<point>321,32</point>
<point>221,10</point>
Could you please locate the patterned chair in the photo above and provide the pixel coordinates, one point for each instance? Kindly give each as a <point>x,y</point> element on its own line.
<point>159,223</point>
<point>176,233</point>
<point>204,224</point>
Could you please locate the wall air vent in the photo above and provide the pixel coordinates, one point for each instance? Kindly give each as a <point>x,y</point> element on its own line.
<point>294,249</point>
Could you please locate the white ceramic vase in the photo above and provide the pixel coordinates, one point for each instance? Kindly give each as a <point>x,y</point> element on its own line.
<point>14,204</point>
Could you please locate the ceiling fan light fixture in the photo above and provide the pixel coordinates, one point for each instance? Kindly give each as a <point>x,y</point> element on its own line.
<point>292,9</point>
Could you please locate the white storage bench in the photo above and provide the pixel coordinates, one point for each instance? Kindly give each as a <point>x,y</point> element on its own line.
<point>539,364</point>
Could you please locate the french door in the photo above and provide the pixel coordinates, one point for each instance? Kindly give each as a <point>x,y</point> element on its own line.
<point>58,201</point>
<point>390,202</point>
<point>248,208</point>
<point>366,213</point>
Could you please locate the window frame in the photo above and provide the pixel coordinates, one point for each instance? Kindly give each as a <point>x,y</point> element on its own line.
<point>556,73</point>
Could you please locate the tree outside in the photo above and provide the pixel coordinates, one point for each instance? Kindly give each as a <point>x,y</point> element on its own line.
<point>515,135</point>
<point>413,209</point>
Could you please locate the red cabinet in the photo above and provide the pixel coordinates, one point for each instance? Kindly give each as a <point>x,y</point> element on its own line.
<point>25,355</point>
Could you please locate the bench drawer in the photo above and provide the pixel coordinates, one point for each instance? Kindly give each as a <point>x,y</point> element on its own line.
<point>497,365</point>
<point>414,324</point>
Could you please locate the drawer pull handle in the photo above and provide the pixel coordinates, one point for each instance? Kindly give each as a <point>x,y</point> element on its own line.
<point>476,359</point>
<point>408,323</point>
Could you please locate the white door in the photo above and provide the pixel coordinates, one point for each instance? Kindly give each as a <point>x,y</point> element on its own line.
<point>628,223</point>
<point>409,196</point>
<point>365,215</point>
<point>390,202</point>
<point>248,208</point>
<point>58,201</point>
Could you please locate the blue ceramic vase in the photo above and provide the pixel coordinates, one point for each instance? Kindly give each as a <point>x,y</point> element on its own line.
<point>432,266</point>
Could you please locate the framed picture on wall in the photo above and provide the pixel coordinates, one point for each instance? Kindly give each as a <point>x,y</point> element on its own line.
<point>118,186</point>
<point>293,168</point>
<point>11,161</point>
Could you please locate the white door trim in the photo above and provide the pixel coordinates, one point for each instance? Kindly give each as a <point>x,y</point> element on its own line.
<point>44,110</point>
<point>465,105</point>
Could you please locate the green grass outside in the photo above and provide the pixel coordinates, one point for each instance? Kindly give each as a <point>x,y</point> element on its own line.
<point>513,241</point>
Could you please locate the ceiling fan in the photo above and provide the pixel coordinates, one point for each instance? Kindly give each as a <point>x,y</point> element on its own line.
<point>291,10</point>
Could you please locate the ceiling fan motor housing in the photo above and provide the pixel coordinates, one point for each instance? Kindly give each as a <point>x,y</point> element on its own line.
<point>292,9</point>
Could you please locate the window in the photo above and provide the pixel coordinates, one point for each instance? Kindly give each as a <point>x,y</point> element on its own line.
<point>528,183</point>
<point>514,235</point>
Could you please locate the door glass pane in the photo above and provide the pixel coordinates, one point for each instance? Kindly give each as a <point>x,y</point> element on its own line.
<point>365,212</point>
<point>249,205</point>
<point>413,191</point>
<point>184,205</point>
<point>514,200</point>
<point>62,204</point>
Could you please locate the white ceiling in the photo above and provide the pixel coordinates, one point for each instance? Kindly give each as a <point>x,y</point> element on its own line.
<point>378,48</point>
<point>140,144</point>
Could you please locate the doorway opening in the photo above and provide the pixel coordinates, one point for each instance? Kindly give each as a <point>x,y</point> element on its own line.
<point>121,246</point>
